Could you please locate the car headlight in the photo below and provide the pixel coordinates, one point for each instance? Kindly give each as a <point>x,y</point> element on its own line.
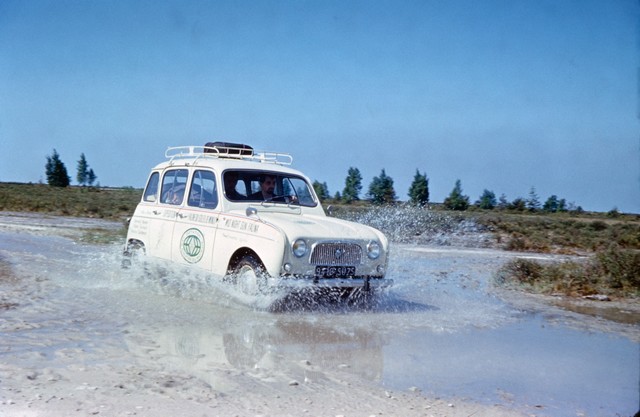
<point>299,248</point>
<point>373,250</point>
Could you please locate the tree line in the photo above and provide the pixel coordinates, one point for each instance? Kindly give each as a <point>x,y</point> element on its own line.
<point>381,191</point>
<point>57,175</point>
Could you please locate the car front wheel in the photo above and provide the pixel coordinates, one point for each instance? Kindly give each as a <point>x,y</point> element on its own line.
<point>249,276</point>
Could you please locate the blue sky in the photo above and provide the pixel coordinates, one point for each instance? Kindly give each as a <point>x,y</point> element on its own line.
<point>503,95</point>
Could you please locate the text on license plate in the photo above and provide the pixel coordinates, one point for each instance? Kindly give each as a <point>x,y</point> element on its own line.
<point>335,271</point>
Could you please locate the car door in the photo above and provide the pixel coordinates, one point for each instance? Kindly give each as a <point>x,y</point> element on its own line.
<point>163,214</point>
<point>195,226</point>
<point>143,224</point>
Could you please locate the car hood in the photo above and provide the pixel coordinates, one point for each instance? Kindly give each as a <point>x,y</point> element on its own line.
<point>321,227</point>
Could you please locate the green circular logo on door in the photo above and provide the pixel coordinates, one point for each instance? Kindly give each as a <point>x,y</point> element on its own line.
<point>192,245</point>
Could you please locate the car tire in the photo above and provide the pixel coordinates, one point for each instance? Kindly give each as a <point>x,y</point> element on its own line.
<point>249,276</point>
<point>133,255</point>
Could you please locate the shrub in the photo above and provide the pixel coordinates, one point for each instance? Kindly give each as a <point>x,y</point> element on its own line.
<point>598,225</point>
<point>619,268</point>
<point>614,272</point>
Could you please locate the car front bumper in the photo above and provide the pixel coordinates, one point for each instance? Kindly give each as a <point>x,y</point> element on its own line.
<point>311,282</point>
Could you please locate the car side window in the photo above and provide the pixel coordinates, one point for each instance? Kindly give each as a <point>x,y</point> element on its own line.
<point>234,185</point>
<point>203,191</point>
<point>151,191</point>
<point>174,184</point>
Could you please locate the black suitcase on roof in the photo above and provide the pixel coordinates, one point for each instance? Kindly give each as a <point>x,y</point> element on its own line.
<point>228,148</point>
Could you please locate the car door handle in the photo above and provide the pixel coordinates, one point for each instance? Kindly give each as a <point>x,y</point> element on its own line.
<point>156,212</point>
<point>182,216</point>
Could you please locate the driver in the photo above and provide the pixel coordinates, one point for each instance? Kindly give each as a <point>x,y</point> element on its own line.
<point>267,187</point>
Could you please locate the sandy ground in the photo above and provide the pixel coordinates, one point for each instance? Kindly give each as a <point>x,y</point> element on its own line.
<point>68,364</point>
<point>134,389</point>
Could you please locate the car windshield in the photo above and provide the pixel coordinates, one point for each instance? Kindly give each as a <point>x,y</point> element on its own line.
<point>269,186</point>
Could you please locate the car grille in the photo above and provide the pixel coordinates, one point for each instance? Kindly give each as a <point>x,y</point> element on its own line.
<point>336,254</point>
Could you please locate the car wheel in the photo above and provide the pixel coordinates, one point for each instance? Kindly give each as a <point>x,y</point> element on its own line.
<point>133,254</point>
<point>249,276</point>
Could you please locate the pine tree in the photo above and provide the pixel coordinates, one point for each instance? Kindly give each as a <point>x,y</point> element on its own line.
<point>91,177</point>
<point>381,189</point>
<point>83,170</point>
<point>503,203</point>
<point>419,189</point>
<point>56,171</point>
<point>456,200</point>
<point>352,186</point>
<point>554,204</point>
<point>533,202</point>
<point>321,189</point>
<point>518,204</point>
<point>487,200</point>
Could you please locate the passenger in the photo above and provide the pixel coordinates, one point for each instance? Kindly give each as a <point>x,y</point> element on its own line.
<point>230,182</point>
<point>174,195</point>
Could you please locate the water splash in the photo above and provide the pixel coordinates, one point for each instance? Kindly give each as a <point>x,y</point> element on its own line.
<point>405,223</point>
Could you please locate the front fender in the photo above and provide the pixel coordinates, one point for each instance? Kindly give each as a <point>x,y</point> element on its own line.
<point>237,235</point>
<point>271,251</point>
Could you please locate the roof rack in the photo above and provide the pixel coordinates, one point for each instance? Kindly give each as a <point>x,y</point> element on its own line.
<point>241,152</point>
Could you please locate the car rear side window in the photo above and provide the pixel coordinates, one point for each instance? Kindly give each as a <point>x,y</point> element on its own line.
<point>174,184</point>
<point>203,192</point>
<point>151,191</point>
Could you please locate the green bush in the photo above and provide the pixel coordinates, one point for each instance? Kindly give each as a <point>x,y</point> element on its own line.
<point>620,269</point>
<point>613,272</point>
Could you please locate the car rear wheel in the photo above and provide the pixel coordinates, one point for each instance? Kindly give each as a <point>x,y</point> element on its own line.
<point>249,276</point>
<point>133,254</point>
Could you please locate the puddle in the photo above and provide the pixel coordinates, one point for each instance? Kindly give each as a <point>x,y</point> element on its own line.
<point>541,368</point>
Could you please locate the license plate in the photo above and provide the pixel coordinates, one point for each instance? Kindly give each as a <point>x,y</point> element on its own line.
<point>335,271</point>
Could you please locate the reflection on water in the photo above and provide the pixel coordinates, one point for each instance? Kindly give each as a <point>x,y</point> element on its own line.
<point>265,348</point>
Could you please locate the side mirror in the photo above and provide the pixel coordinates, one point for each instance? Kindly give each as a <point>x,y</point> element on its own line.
<point>330,209</point>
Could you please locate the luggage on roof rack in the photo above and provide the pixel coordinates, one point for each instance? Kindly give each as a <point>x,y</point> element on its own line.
<point>228,149</point>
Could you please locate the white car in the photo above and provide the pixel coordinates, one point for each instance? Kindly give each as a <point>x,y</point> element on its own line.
<point>248,218</point>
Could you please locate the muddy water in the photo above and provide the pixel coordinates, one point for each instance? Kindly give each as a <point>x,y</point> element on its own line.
<point>441,329</point>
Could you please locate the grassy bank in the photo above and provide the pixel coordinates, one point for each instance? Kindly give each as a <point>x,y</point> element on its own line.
<point>562,233</point>
<point>612,246</point>
<point>103,203</point>
<point>613,272</point>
